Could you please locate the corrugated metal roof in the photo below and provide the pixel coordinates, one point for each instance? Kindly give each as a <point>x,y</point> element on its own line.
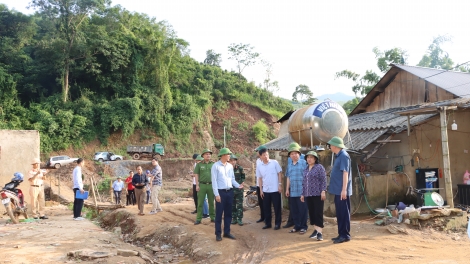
<point>359,139</point>
<point>454,82</point>
<point>387,118</point>
<point>281,143</point>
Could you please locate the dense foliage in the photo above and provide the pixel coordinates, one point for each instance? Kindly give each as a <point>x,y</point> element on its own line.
<point>112,70</point>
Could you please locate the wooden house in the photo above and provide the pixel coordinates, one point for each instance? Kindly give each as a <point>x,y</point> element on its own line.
<point>396,130</point>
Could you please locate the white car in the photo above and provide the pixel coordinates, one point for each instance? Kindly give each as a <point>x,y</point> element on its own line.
<point>58,161</point>
<point>105,155</point>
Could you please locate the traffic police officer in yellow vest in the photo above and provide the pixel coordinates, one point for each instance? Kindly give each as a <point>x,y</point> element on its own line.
<point>237,208</point>
<point>202,173</point>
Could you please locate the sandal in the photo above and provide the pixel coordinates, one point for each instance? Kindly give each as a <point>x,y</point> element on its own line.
<point>293,231</point>
<point>302,231</point>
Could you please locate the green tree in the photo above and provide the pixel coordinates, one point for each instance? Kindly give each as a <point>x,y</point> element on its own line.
<point>351,104</point>
<point>69,17</point>
<point>244,55</point>
<point>268,84</point>
<point>213,58</point>
<point>364,84</point>
<point>436,57</point>
<point>303,95</point>
<point>395,55</point>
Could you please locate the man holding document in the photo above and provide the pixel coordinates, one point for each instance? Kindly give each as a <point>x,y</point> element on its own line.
<point>78,190</point>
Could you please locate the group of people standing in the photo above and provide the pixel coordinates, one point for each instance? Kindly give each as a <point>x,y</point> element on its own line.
<point>221,181</point>
<point>136,185</point>
<point>306,187</point>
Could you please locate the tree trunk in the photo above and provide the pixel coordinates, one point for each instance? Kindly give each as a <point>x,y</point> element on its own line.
<point>65,84</point>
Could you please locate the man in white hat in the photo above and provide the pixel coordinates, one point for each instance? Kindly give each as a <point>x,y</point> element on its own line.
<point>36,190</point>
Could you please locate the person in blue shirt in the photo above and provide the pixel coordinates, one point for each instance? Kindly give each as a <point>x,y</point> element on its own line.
<point>294,175</point>
<point>290,220</point>
<point>223,181</point>
<point>341,188</point>
<point>118,185</point>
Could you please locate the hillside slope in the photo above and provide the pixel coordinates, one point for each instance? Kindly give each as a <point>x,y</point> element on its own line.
<point>238,119</point>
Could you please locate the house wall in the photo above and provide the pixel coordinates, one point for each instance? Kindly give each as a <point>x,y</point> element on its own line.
<point>408,89</point>
<point>17,149</point>
<point>427,139</point>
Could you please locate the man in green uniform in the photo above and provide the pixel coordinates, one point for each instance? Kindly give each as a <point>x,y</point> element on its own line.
<point>237,207</point>
<point>202,173</point>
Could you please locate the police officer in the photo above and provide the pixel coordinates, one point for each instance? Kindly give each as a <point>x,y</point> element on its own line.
<point>237,207</point>
<point>202,173</point>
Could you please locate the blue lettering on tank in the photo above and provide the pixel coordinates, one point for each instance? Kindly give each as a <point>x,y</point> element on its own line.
<point>322,107</point>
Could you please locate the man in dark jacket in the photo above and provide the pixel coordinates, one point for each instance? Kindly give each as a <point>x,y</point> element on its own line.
<point>140,180</point>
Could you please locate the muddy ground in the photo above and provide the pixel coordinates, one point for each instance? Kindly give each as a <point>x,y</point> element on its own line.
<point>171,237</point>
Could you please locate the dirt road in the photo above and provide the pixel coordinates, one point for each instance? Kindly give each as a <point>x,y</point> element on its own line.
<point>49,241</point>
<point>369,244</point>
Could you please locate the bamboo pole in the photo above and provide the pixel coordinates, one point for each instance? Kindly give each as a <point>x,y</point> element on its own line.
<point>97,191</point>
<point>111,193</point>
<point>93,191</point>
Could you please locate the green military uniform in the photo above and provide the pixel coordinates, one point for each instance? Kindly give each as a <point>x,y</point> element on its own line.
<point>203,170</point>
<point>237,206</point>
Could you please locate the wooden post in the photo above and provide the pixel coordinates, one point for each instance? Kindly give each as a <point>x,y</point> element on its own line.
<point>446,158</point>
<point>97,191</point>
<point>93,191</point>
<point>409,125</point>
<point>111,191</point>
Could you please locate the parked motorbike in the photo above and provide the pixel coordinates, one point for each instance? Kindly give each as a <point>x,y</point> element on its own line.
<point>13,199</point>
<point>251,197</point>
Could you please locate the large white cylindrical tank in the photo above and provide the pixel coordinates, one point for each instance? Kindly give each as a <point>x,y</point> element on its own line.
<point>318,123</point>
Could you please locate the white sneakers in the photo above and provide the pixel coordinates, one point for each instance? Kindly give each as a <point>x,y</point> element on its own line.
<point>156,211</point>
<point>79,218</point>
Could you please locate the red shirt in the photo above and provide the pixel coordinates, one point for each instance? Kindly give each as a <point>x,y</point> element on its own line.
<point>130,187</point>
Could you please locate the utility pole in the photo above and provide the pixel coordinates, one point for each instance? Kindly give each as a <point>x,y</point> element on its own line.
<point>446,157</point>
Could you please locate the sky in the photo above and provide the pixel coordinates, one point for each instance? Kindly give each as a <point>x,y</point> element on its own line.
<point>309,41</point>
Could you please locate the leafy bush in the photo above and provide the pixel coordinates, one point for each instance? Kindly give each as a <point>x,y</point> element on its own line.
<point>260,131</point>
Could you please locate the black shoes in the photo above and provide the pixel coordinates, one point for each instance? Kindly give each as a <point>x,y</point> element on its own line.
<point>314,234</point>
<point>229,236</point>
<point>287,225</point>
<point>197,222</point>
<point>341,240</point>
<point>335,238</point>
<point>260,220</point>
<point>266,226</point>
<point>194,212</point>
<point>43,217</point>
<point>218,238</point>
<point>319,237</point>
<point>276,227</point>
<point>205,216</point>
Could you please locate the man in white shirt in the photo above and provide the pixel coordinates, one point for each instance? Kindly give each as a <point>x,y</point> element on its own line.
<point>258,190</point>
<point>269,175</point>
<point>118,185</point>
<point>78,186</point>
<point>223,181</point>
